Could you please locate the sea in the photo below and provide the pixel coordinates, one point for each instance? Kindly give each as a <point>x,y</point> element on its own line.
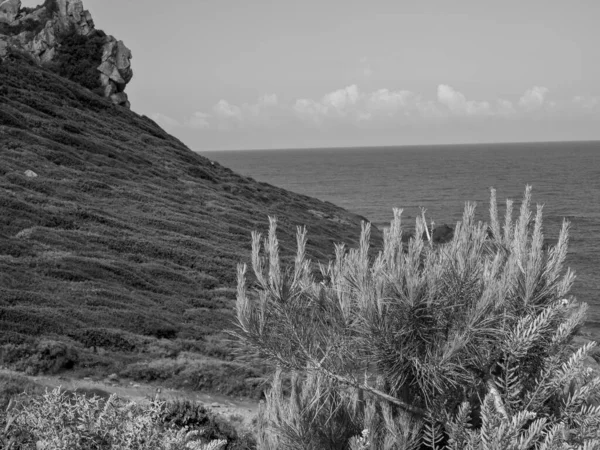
<point>565,179</point>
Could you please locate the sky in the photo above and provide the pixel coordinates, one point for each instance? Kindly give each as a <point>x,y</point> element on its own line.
<point>240,74</point>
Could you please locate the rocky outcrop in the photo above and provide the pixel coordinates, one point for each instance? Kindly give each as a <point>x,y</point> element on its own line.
<point>9,10</point>
<point>38,33</point>
<point>115,70</point>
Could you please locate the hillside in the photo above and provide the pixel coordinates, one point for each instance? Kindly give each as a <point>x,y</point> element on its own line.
<point>118,253</point>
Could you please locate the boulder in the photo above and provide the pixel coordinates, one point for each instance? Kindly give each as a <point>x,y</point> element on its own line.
<point>120,98</point>
<point>31,174</point>
<point>442,234</point>
<point>115,69</point>
<point>9,9</point>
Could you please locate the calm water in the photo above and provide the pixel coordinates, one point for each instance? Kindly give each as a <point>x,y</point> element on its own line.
<point>371,181</point>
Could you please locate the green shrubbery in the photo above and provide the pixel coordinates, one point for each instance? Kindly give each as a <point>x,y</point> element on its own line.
<point>194,417</point>
<point>57,420</point>
<point>44,356</point>
<point>78,58</point>
<point>466,345</point>
<point>51,7</point>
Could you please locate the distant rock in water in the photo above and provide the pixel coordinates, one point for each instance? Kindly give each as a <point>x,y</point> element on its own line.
<point>51,32</point>
<point>442,234</point>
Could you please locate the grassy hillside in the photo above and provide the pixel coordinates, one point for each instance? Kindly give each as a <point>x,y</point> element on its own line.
<point>119,257</point>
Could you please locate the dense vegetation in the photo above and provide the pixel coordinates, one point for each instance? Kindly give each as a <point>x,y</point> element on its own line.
<point>120,256</point>
<point>78,58</point>
<point>468,345</point>
<point>60,419</point>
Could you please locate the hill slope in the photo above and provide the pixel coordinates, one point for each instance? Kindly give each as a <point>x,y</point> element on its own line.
<point>120,255</point>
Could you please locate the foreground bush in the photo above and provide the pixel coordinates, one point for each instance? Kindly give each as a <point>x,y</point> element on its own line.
<point>58,421</point>
<point>466,345</point>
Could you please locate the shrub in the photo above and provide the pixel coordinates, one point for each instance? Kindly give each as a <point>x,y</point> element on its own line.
<point>114,340</point>
<point>51,7</point>
<point>463,345</point>
<point>186,414</point>
<point>12,120</point>
<point>45,356</point>
<point>59,420</point>
<point>78,58</point>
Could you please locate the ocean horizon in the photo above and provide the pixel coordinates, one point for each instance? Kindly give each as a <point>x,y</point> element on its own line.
<point>371,181</point>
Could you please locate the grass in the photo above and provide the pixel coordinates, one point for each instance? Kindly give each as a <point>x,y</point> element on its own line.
<point>120,256</point>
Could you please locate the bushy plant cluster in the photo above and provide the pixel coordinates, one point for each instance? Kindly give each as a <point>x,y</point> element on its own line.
<point>184,414</point>
<point>29,25</point>
<point>57,420</point>
<point>466,345</point>
<point>51,7</point>
<point>78,58</point>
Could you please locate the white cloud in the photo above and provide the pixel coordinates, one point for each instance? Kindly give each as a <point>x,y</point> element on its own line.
<point>350,105</point>
<point>225,110</point>
<point>430,109</point>
<point>458,104</point>
<point>505,107</point>
<point>198,120</point>
<point>534,98</point>
<point>389,102</point>
<point>166,122</point>
<point>338,103</point>
<point>260,109</point>
<point>341,99</point>
<point>309,109</point>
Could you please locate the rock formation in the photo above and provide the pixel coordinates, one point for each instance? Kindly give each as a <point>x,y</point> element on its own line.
<point>38,33</point>
<point>9,10</point>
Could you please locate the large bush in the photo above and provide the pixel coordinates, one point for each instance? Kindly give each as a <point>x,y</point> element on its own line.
<point>78,58</point>
<point>466,345</point>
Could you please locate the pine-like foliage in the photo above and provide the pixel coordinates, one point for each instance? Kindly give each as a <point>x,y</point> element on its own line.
<point>458,346</point>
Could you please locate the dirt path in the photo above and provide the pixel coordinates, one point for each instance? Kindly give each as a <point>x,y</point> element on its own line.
<point>243,411</point>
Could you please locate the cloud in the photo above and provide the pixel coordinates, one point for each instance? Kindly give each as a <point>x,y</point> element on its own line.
<point>198,120</point>
<point>338,103</point>
<point>380,107</point>
<point>534,98</point>
<point>310,110</point>
<point>458,104</point>
<point>223,109</point>
<point>390,102</point>
<point>505,108</point>
<point>341,99</point>
<point>259,109</point>
<point>166,122</point>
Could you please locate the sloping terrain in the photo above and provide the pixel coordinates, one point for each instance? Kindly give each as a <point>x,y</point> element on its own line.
<point>120,255</point>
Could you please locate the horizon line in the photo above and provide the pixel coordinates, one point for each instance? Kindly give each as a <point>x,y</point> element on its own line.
<point>400,146</point>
